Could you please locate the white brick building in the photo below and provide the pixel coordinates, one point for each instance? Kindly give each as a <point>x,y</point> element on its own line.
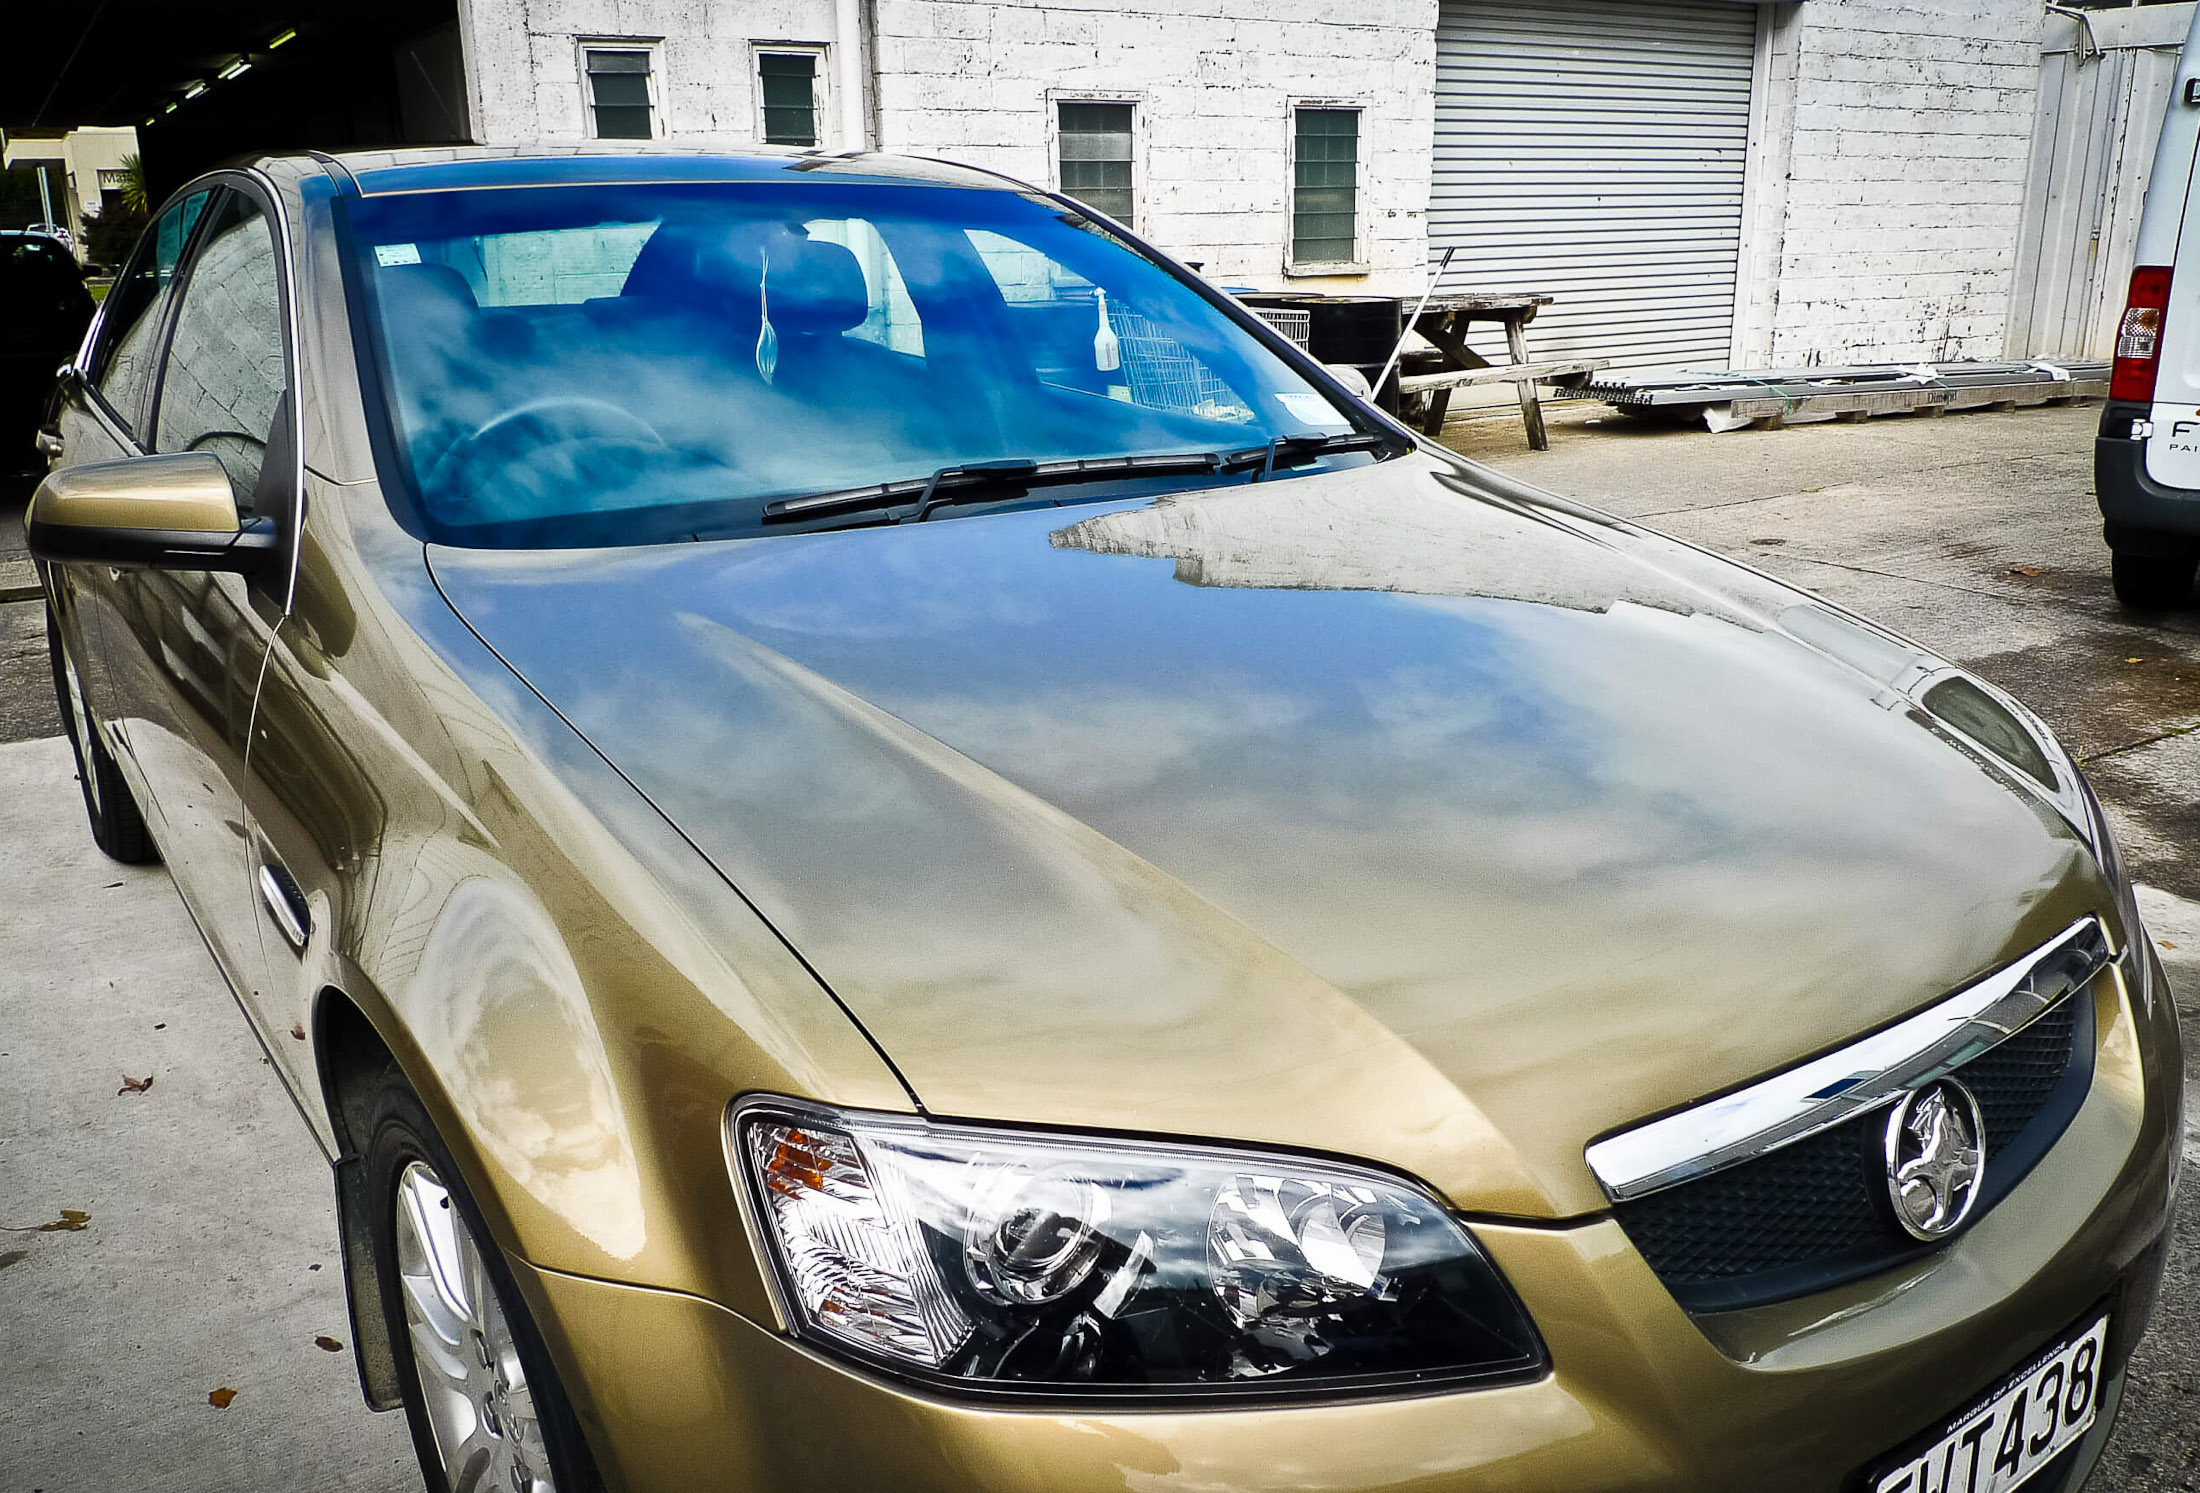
<point>1700,182</point>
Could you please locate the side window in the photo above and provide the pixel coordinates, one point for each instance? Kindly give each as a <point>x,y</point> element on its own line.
<point>122,363</point>
<point>535,267</point>
<point>224,374</point>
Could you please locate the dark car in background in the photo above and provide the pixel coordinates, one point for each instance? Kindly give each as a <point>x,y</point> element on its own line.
<point>44,310</point>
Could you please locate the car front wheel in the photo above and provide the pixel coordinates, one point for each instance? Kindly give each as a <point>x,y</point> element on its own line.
<point>486,1409</point>
<point>117,827</point>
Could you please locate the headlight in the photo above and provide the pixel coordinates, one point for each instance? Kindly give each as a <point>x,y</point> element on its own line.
<point>2018,738</point>
<point>2136,968</point>
<point>1060,1265</point>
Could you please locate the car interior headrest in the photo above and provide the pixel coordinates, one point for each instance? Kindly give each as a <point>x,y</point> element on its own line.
<point>412,289</point>
<point>670,264</point>
<point>815,285</point>
<point>819,290</point>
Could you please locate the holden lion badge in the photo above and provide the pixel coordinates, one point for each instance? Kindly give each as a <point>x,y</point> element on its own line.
<point>1936,1158</point>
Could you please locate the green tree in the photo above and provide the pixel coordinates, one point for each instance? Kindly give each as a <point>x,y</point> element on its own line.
<point>133,185</point>
<point>110,236</point>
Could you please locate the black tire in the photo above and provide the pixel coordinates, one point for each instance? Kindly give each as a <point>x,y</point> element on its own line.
<point>399,1134</point>
<point>118,828</point>
<point>2153,583</point>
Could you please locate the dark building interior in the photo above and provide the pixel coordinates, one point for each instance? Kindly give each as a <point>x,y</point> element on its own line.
<point>224,78</point>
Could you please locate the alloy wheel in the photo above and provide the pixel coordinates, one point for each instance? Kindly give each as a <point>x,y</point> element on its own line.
<point>464,1354</point>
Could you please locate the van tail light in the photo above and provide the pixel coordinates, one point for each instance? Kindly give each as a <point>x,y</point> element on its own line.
<point>2139,336</point>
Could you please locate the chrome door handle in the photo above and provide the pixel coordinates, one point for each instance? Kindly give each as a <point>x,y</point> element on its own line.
<point>286,905</point>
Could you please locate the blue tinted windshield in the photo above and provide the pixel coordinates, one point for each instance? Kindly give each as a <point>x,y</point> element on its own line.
<point>636,363</point>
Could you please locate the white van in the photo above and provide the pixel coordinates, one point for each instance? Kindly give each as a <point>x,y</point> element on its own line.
<point>2146,462</point>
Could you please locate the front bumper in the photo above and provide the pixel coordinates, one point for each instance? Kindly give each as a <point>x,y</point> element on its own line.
<point>678,1393</point>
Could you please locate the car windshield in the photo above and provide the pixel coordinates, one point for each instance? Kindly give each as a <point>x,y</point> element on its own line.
<point>573,365</point>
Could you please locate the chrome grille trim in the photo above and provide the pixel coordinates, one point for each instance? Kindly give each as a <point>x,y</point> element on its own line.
<point>1823,1092</point>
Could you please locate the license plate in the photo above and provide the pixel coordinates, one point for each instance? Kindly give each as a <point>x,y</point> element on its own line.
<point>2014,1432</point>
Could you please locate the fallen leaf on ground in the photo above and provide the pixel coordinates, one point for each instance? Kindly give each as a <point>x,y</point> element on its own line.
<point>328,1344</point>
<point>298,1030</point>
<point>2028,570</point>
<point>2165,943</point>
<point>72,1220</point>
<point>111,886</point>
<point>1768,541</point>
<point>135,1085</point>
<point>2134,660</point>
<point>220,1398</point>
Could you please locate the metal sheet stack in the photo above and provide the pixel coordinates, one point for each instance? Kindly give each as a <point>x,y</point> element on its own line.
<point>1769,398</point>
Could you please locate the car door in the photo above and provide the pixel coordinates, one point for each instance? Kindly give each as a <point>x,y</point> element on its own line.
<point>105,397</point>
<point>185,647</point>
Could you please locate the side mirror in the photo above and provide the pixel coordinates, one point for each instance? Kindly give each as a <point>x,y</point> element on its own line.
<point>159,512</point>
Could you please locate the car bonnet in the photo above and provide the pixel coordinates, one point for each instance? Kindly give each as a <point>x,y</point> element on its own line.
<point>1391,811</point>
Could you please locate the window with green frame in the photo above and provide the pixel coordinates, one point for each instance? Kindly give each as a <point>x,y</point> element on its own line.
<point>789,81</point>
<point>618,91</point>
<point>1095,142</point>
<point>1325,186</point>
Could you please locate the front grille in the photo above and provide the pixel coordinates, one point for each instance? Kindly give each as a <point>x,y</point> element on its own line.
<point>2013,1080</point>
<point>1813,1214</point>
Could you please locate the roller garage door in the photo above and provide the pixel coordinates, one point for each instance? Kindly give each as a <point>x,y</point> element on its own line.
<point>1594,149</point>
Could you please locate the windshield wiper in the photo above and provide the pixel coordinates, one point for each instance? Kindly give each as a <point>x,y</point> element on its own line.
<point>912,500</point>
<point>981,481</point>
<point>1299,447</point>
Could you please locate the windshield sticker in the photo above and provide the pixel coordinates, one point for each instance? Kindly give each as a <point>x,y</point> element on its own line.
<point>387,255</point>
<point>1314,410</point>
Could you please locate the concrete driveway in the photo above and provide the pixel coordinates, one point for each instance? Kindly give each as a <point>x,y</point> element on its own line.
<point>207,1260</point>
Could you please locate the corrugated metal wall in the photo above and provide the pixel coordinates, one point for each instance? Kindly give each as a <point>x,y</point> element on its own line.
<point>2104,89</point>
<point>1595,151</point>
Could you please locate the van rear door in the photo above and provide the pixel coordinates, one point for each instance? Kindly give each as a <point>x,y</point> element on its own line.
<point>2173,451</point>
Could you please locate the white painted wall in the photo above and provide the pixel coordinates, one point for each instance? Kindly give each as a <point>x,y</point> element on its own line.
<point>1888,157</point>
<point>1891,181</point>
<point>976,81</point>
<point>524,63</point>
<point>1213,82</point>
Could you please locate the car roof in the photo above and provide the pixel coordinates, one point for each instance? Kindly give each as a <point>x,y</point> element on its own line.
<point>460,168</point>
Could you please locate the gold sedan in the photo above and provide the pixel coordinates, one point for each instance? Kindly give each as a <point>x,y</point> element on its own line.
<point>893,848</point>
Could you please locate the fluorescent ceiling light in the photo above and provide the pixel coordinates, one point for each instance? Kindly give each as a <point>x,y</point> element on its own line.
<point>279,40</point>
<point>237,68</point>
<point>194,90</point>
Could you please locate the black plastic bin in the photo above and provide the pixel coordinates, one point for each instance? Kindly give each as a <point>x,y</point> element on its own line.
<point>1359,330</point>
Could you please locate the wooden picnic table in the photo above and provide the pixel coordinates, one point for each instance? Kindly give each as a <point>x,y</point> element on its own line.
<point>1443,323</point>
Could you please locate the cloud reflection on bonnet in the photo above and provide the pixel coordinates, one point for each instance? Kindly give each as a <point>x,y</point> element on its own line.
<point>1491,777</point>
